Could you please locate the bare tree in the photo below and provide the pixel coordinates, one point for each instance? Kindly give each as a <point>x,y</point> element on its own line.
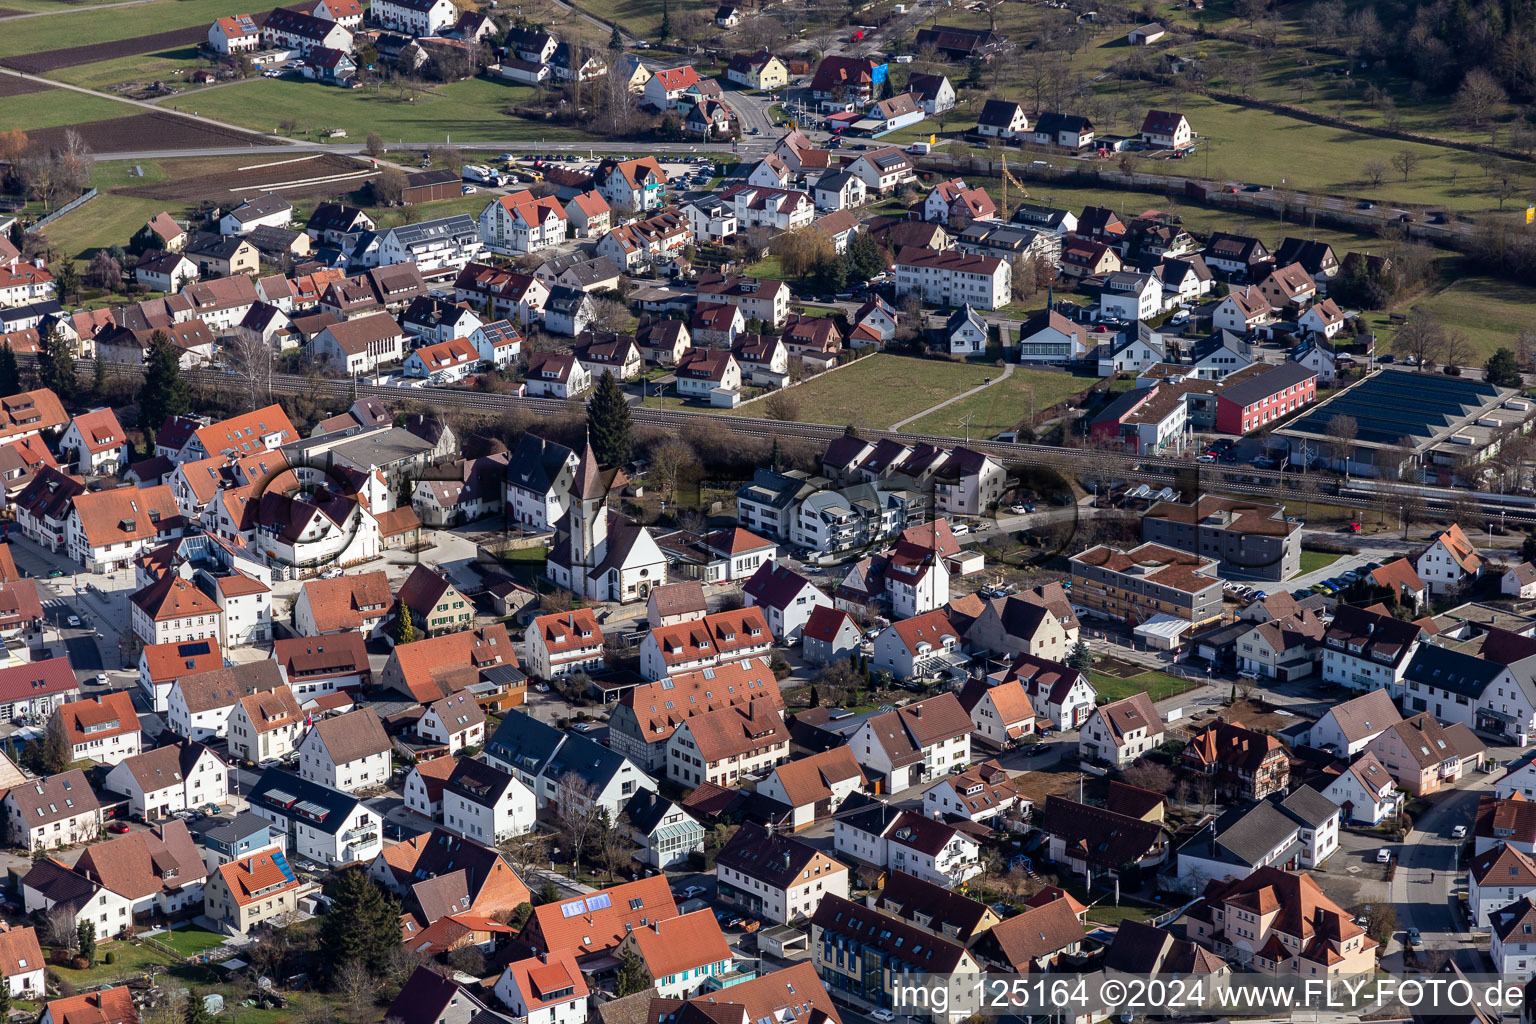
<point>1405,160</point>
<point>251,359</point>
<point>1342,431</point>
<point>1420,337</point>
<point>782,405</point>
<point>1480,93</point>
<point>1374,170</point>
<point>61,929</point>
<point>580,814</point>
<point>356,987</point>
<point>1458,348</point>
<point>611,315</point>
<point>389,186</point>
<point>668,460</point>
<point>528,851</point>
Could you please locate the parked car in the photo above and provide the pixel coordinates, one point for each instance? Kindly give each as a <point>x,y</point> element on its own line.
<point>119,827</point>
<point>693,891</point>
<point>1384,856</point>
<point>73,622</point>
<point>1414,938</point>
<point>881,1014</point>
<point>582,727</point>
<point>1459,832</point>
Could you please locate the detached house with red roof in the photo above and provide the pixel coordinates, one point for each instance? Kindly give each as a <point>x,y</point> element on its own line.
<point>522,223</point>
<point>633,185</point>
<point>722,745</point>
<point>1450,563</point>
<point>680,953</point>
<point>1245,763</point>
<point>21,962</point>
<point>243,893</point>
<point>667,86</point>
<point>1166,129</point>
<point>103,729</point>
<point>725,636</point>
<point>813,787</point>
<point>1001,714</point>
<point>980,793</point>
<point>830,634</point>
<point>172,610</point>
<point>645,717</point>
<point>1277,922</point>
<point>99,443</point>
<point>563,643</point>
<point>355,602</point>
<point>235,34</point>
<point>104,1006</point>
<point>108,529</point>
<point>917,646</point>
<point>545,989</point>
<point>1059,693</point>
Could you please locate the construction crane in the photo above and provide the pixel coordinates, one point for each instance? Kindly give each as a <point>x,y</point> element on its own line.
<point>1007,177</point>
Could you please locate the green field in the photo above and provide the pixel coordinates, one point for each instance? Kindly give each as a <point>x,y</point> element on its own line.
<point>145,68</point>
<point>129,961</point>
<point>469,111</point>
<point>55,107</point>
<point>1157,685</point>
<point>1003,405</point>
<point>1490,311</point>
<point>83,28</point>
<point>641,18</point>
<point>1311,561</point>
<point>904,385</point>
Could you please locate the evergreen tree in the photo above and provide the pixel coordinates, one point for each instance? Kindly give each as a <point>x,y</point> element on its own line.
<point>815,700</point>
<point>5,1002</point>
<point>616,41</point>
<point>57,750</point>
<point>865,259</point>
<point>56,365</point>
<point>773,460</point>
<point>86,931</point>
<point>67,278</point>
<point>666,20</point>
<point>164,393</point>
<point>1528,547</point>
<point>633,977</point>
<point>1081,657</point>
<point>197,1010</point>
<point>10,373</point>
<point>405,628</point>
<point>363,923</point>
<point>608,422</point>
<point>98,374</point>
<point>1502,370</point>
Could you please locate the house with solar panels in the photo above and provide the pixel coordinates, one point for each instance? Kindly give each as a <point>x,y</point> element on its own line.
<point>316,822</point>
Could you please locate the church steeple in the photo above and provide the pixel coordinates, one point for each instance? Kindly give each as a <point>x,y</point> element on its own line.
<point>588,482</point>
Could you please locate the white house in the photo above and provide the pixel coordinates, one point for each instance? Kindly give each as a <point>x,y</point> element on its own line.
<point>814,786</point>
<point>349,752</point>
<point>104,729</point>
<point>916,646</point>
<point>786,597</point>
<point>318,823</point>
<point>953,278</point>
<point>776,877</point>
<point>563,643</point>
<point>183,776</point>
<point>414,17</point>
<point>1348,728</point>
<point>1001,714</point>
<point>484,803</point>
<point>265,726</point>
<point>681,954</point>
<point>930,736</point>
<point>1365,792</point>
<point>1121,731</point>
<point>545,989</point>
<point>455,721</point>
<point>980,793</point>
<point>1131,296</point>
<point>424,786</point>
<point>1450,563</point>
<point>1496,879</point>
<point>1519,581</point>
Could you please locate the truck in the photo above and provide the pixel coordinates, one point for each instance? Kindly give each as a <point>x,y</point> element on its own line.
<point>920,149</point>
<point>482,174</point>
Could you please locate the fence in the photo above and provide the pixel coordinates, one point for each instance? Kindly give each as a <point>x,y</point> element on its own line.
<point>73,204</point>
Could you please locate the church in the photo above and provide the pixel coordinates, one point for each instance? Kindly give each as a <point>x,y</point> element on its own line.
<point>599,554</point>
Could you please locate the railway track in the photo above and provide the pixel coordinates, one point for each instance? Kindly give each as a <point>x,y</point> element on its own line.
<point>1271,485</point>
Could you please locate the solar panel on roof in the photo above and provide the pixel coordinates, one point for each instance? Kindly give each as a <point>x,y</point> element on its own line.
<point>281,796</point>
<point>310,808</point>
<point>599,902</point>
<point>192,650</point>
<point>575,909</point>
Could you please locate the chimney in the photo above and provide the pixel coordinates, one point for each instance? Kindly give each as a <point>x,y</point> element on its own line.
<point>917,710</point>
<point>543,958</point>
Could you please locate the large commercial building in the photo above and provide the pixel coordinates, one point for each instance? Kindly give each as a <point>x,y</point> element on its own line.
<point>1420,425</point>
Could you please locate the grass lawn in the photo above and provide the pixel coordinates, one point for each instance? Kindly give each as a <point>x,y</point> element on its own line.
<point>1107,913</point>
<point>1157,685</point>
<point>768,266</point>
<point>1003,405</point>
<point>130,961</point>
<point>640,17</point>
<point>83,28</point>
<point>144,67</point>
<point>54,107</point>
<point>1489,311</point>
<point>469,111</point>
<point>190,941</point>
<point>1311,561</point>
<point>905,386</point>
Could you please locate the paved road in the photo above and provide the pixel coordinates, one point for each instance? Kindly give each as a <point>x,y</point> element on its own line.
<point>62,9</point>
